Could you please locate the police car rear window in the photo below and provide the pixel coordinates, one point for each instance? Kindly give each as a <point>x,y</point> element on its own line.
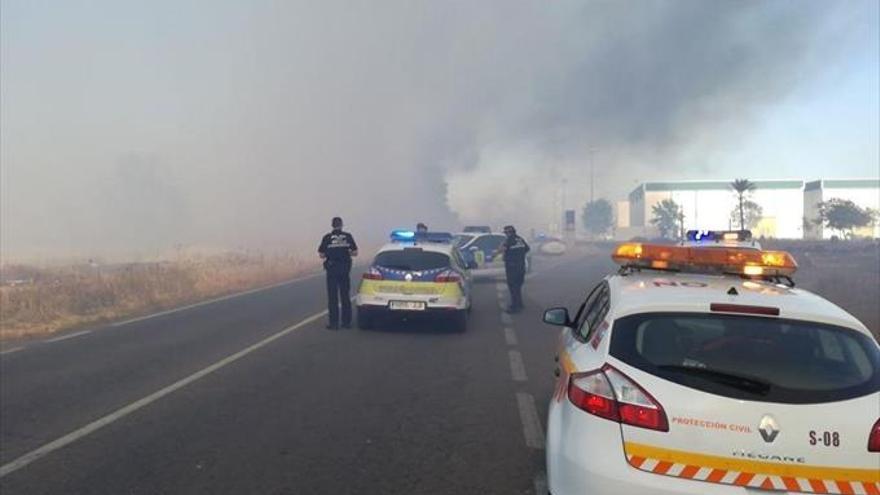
<point>751,358</point>
<point>412,260</point>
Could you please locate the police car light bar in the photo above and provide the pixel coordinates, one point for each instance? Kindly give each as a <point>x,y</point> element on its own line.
<point>410,236</point>
<point>719,236</point>
<point>744,261</point>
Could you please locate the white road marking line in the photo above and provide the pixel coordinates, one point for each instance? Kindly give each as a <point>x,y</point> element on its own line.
<point>68,336</point>
<point>506,319</point>
<point>501,286</point>
<point>211,301</point>
<point>517,367</point>
<point>140,403</point>
<point>541,484</point>
<point>528,414</point>
<point>12,349</point>
<point>502,304</point>
<point>509,336</point>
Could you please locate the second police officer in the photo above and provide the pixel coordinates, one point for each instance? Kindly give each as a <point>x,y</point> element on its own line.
<point>514,249</point>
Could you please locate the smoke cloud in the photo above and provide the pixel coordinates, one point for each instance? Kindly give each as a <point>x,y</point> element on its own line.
<point>134,127</point>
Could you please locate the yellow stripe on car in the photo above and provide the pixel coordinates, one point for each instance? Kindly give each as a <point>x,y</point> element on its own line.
<point>749,466</point>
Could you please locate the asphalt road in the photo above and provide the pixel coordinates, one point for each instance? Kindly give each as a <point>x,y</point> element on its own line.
<point>252,395</point>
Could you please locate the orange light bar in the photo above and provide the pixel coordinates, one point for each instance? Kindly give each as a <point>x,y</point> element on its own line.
<point>746,261</point>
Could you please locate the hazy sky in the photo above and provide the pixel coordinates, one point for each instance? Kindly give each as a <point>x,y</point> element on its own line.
<point>129,127</point>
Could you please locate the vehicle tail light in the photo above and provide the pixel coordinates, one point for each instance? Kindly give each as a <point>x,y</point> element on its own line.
<point>592,393</point>
<point>874,438</point>
<point>446,277</point>
<point>373,274</point>
<point>610,394</point>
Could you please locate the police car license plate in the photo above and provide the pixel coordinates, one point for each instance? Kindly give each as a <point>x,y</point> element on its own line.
<point>407,305</point>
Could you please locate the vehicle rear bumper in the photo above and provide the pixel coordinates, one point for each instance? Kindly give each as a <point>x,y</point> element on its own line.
<point>439,306</point>
<point>585,455</point>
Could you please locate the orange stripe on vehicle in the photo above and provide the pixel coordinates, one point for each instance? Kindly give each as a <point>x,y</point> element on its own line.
<point>567,363</point>
<point>689,471</point>
<point>767,484</point>
<point>637,461</point>
<point>725,464</point>
<point>871,488</point>
<point>716,475</point>
<point>743,479</point>
<point>791,484</point>
<point>845,488</point>
<point>662,467</point>
<point>818,486</point>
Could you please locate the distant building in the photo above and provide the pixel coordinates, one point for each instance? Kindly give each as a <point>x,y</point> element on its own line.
<point>712,205</point>
<point>863,192</point>
<point>788,207</point>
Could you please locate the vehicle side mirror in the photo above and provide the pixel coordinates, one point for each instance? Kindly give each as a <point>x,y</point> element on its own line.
<point>472,265</point>
<point>557,316</point>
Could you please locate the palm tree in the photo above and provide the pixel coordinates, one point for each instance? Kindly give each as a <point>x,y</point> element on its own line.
<point>742,187</point>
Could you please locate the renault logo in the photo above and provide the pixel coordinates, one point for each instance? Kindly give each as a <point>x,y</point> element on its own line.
<point>768,428</point>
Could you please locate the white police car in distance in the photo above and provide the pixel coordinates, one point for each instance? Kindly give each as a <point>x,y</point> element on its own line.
<point>479,248</point>
<point>702,370</point>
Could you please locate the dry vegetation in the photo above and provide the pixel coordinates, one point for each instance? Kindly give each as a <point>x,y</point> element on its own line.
<point>36,301</point>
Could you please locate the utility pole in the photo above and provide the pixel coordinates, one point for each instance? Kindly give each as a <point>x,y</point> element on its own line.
<point>592,152</point>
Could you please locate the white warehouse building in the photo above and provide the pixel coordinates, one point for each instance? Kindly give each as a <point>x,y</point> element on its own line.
<point>789,207</point>
<point>863,192</point>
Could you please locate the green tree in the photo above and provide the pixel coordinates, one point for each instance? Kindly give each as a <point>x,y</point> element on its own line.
<point>742,187</point>
<point>668,217</point>
<point>598,216</point>
<point>843,216</point>
<point>748,209</point>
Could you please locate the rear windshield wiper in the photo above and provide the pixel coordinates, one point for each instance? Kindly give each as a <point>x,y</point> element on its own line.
<point>742,382</point>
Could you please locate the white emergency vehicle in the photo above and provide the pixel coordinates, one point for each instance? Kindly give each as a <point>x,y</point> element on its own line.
<point>700,369</point>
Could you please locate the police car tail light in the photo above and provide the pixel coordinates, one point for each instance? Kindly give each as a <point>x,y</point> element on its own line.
<point>373,274</point>
<point>874,438</point>
<point>610,394</point>
<point>592,393</point>
<point>636,406</point>
<point>447,277</point>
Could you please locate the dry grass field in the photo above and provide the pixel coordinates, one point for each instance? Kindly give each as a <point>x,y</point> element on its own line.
<point>38,301</point>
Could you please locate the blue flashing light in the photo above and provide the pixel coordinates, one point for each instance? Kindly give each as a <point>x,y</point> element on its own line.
<point>719,236</point>
<point>402,235</point>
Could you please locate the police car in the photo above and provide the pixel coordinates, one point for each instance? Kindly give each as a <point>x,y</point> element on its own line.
<point>416,273</point>
<point>479,248</point>
<point>700,369</point>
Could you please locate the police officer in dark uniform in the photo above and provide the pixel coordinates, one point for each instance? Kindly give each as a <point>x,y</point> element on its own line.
<point>336,250</point>
<point>514,249</point>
